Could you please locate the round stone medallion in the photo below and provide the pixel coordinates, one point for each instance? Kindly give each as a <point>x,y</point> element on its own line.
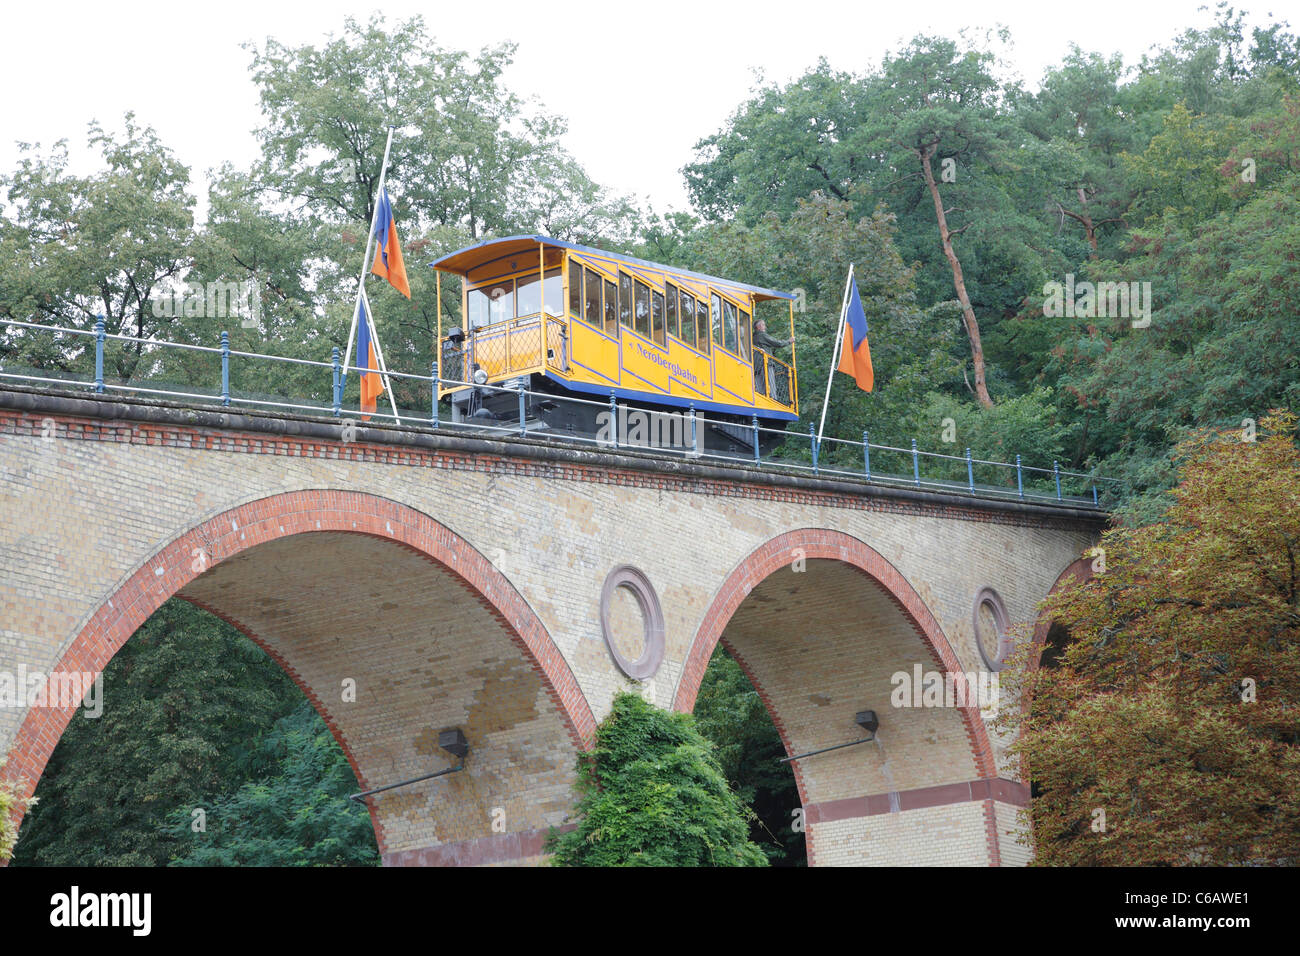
<point>991,628</point>
<point>632,622</point>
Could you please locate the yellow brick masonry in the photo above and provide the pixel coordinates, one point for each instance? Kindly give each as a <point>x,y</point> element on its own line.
<point>86,509</point>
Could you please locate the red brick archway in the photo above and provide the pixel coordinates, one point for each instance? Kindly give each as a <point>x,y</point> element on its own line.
<point>279,516</point>
<point>1079,571</point>
<point>814,543</point>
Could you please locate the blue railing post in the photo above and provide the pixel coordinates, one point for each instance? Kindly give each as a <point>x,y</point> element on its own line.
<point>613,412</point>
<point>433,402</point>
<point>1094,494</point>
<point>758,458</point>
<point>1056,471</point>
<point>99,353</point>
<point>523,405</point>
<point>916,465</point>
<point>225,368</point>
<point>1020,483</point>
<point>866,453</point>
<point>337,394</point>
<point>812,438</point>
<point>970,473</point>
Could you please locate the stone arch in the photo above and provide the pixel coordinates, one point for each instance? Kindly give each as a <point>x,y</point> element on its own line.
<point>1080,571</point>
<point>214,542</point>
<point>974,782</point>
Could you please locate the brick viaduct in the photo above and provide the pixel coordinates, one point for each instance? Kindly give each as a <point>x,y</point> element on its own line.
<point>458,582</point>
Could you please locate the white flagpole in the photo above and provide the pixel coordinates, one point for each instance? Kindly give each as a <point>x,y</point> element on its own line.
<point>835,358</point>
<point>365,263</point>
<point>379,354</point>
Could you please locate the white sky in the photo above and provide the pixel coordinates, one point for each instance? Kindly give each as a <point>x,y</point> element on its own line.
<point>181,69</point>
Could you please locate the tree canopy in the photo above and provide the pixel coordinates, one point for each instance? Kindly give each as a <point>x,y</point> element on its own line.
<point>651,793</point>
<point>192,702</point>
<point>1167,731</point>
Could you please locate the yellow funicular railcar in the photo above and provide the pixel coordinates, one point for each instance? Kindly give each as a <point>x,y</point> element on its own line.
<point>557,318</point>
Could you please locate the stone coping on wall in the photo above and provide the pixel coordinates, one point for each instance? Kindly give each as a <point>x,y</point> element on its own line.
<point>95,418</point>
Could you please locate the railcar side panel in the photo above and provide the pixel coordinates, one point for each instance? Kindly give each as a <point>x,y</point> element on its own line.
<point>642,330</point>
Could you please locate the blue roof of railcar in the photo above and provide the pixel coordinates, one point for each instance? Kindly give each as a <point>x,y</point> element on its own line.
<point>446,261</point>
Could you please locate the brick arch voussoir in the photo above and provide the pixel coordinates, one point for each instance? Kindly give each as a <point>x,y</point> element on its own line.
<point>267,519</point>
<point>1080,570</point>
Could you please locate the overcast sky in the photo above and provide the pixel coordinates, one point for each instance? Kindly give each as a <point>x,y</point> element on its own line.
<point>181,69</point>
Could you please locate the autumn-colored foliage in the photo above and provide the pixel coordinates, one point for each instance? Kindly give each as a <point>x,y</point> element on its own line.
<point>12,805</point>
<point>1168,730</point>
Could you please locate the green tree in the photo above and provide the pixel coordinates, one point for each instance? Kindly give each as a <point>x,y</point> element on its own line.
<point>809,248</point>
<point>294,812</point>
<point>1218,70</point>
<point>729,712</point>
<point>1028,425</point>
<point>1079,114</point>
<point>74,247</point>
<point>1178,176</point>
<point>184,700</point>
<point>651,794</point>
<point>937,104</point>
<point>781,146</point>
<point>456,148</point>
<point>1217,351</point>
<point>1175,706</point>
<point>469,160</point>
<point>930,136</point>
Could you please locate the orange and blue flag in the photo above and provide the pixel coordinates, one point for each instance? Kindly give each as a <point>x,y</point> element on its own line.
<point>372,385</point>
<point>388,252</point>
<point>855,353</point>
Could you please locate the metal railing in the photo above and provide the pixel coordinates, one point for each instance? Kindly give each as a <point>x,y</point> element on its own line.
<point>772,378</point>
<point>686,434</point>
<point>506,349</point>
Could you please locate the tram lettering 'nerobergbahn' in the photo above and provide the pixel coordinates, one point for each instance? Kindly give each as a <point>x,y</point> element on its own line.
<point>561,319</point>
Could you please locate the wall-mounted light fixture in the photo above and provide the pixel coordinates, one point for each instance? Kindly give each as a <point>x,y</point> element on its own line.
<point>451,740</point>
<point>866,719</point>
